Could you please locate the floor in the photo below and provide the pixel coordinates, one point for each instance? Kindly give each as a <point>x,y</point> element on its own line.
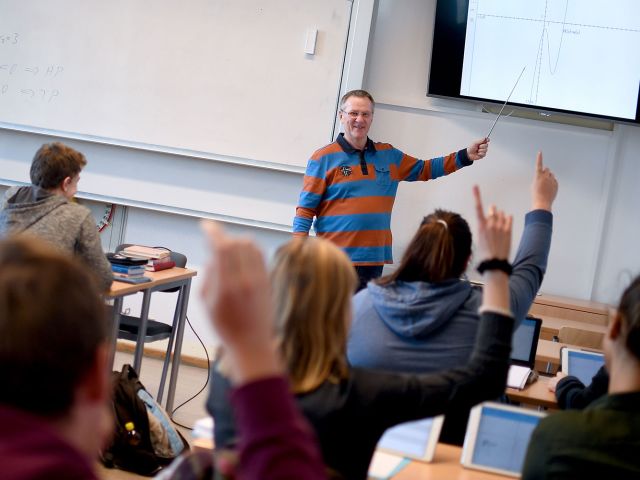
<point>190,381</point>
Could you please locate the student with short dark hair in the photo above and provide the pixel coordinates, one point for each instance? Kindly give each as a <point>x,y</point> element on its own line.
<point>54,411</point>
<point>44,209</point>
<point>603,440</point>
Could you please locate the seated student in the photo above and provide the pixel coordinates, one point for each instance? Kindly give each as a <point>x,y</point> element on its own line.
<point>275,440</point>
<point>55,413</point>
<point>44,209</point>
<point>603,440</point>
<point>350,408</point>
<point>424,316</point>
<point>571,393</point>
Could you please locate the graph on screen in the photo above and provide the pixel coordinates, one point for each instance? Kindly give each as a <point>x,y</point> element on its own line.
<point>578,55</point>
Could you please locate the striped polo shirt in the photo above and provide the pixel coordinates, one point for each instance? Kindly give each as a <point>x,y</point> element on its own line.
<point>351,194</point>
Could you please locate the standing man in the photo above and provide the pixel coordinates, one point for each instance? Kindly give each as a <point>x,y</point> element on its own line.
<point>350,186</point>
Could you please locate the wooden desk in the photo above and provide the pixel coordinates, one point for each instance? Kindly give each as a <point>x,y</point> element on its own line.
<point>551,326</point>
<point>536,394</point>
<point>584,311</point>
<point>445,465</point>
<point>174,277</point>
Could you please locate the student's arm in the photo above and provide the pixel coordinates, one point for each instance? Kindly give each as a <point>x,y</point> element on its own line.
<point>530,263</point>
<point>571,393</point>
<point>89,248</point>
<point>274,440</point>
<point>406,397</point>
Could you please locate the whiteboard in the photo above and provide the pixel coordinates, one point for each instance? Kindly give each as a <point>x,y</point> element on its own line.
<point>224,77</point>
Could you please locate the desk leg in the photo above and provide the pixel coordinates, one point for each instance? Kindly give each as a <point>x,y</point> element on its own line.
<point>175,364</point>
<point>115,326</point>
<point>142,332</point>
<point>172,338</point>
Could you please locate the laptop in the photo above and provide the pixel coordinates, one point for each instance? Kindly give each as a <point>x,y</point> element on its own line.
<point>524,345</point>
<point>581,364</point>
<point>408,441</point>
<point>497,438</point>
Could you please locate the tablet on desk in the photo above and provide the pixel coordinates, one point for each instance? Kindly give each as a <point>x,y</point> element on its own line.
<point>411,440</point>
<point>497,438</point>
<point>581,364</point>
<point>416,440</point>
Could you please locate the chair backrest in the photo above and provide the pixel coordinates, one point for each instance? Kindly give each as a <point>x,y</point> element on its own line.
<point>580,338</point>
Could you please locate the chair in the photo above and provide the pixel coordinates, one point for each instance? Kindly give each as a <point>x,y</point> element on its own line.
<point>580,338</point>
<point>130,325</point>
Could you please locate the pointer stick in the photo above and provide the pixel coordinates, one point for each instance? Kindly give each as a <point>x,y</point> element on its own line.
<point>505,103</point>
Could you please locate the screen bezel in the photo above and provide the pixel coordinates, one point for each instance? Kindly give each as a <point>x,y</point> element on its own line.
<point>445,73</point>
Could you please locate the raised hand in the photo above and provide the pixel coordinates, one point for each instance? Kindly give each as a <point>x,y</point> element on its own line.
<point>478,149</point>
<point>237,295</point>
<point>544,187</point>
<point>494,231</point>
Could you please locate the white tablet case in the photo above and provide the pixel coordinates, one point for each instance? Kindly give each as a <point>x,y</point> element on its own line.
<point>581,364</point>
<point>416,440</point>
<point>497,437</point>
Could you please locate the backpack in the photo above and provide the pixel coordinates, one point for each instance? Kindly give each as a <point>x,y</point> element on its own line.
<point>150,442</point>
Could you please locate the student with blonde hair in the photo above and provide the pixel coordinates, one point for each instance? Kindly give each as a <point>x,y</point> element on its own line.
<point>350,408</point>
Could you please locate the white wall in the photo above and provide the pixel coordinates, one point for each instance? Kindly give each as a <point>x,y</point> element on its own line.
<point>596,220</point>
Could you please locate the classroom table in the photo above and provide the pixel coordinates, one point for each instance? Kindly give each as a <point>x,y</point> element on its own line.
<point>162,280</point>
<point>536,394</point>
<point>445,465</point>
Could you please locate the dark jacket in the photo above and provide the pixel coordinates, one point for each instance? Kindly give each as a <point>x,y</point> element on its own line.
<point>571,393</point>
<point>349,417</point>
<point>601,441</point>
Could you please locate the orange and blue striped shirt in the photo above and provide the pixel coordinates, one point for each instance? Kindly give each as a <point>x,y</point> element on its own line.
<point>351,193</point>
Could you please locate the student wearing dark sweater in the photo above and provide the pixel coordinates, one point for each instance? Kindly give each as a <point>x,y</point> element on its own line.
<point>350,408</point>
<point>602,440</point>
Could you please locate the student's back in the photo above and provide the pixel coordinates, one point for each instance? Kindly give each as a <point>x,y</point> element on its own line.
<point>423,317</point>
<point>603,440</point>
<point>44,210</point>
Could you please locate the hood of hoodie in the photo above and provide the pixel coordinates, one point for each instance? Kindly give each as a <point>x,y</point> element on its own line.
<point>415,309</point>
<point>24,206</point>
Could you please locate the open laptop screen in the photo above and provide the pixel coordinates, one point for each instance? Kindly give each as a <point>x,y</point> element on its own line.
<point>524,343</point>
<point>497,437</point>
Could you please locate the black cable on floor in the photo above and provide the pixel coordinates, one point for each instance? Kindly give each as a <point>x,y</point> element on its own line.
<point>205,383</point>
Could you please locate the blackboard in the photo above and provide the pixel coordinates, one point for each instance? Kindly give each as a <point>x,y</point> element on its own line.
<point>223,77</point>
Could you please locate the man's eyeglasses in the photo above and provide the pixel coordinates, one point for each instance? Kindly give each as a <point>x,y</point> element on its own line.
<point>354,114</point>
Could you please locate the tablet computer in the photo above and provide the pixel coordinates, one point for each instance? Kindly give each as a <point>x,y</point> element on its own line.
<point>497,437</point>
<point>416,440</point>
<point>581,363</point>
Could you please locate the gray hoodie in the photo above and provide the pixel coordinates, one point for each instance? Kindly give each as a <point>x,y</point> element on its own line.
<point>70,227</point>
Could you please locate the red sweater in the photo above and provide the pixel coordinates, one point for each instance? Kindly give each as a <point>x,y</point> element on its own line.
<point>31,450</point>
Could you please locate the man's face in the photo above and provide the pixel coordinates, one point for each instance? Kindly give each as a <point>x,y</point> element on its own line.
<point>356,117</point>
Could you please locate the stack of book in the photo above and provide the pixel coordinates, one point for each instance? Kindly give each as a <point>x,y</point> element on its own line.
<point>157,258</point>
<point>127,269</point>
